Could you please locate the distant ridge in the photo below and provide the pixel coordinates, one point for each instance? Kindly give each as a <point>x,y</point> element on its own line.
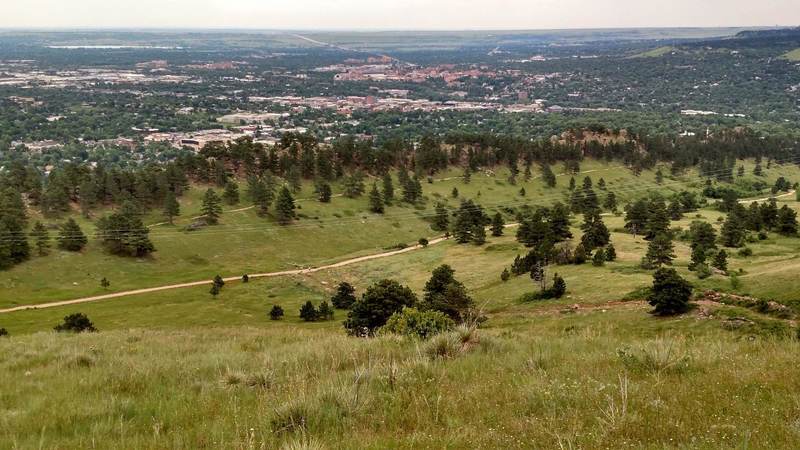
<point>769,34</point>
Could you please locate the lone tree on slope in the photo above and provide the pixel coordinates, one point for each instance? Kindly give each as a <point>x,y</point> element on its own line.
<point>212,207</point>
<point>284,206</point>
<point>671,293</point>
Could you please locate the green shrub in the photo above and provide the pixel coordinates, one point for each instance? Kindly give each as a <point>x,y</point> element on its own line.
<point>378,303</point>
<point>76,323</point>
<point>746,252</point>
<point>324,312</point>
<point>3,332</point>
<point>415,323</point>
<point>308,312</point>
<point>557,290</point>
<point>735,282</point>
<point>611,253</point>
<point>276,313</point>
<point>291,417</point>
<point>703,271</point>
<point>659,356</point>
<point>443,346</point>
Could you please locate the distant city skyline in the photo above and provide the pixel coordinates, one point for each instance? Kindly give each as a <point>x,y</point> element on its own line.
<point>398,15</point>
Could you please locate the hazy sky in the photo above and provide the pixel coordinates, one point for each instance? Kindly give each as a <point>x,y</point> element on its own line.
<point>397,14</point>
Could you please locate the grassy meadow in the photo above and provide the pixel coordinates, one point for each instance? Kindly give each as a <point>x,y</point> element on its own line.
<point>324,233</point>
<point>767,274</point>
<point>614,378</point>
<point>793,55</point>
<point>247,243</point>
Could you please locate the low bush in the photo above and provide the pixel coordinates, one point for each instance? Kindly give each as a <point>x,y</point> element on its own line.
<point>659,356</point>
<point>303,443</point>
<point>638,294</point>
<point>415,323</point>
<point>276,313</point>
<point>557,290</point>
<point>703,271</point>
<point>452,343</point>
<point>76,323</point>
<point>443,346</point>
<point>290,417</point>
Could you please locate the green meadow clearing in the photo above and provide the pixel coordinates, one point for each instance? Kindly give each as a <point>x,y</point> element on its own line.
<point>793,55</point>
<point>324,233</point>
<point>768,274</point>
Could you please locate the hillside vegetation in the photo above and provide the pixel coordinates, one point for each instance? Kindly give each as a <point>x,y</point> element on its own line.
<point>600,378</point>
<point>656,52</point>
<point>494,355</point>
<point>793,55</point>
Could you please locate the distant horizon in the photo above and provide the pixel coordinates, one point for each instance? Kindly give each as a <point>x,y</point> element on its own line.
<point>388,30</point>
<point>399,15</point>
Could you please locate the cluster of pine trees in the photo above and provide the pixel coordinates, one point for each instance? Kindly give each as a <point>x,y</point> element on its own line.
<point>715,154</point>
<point>442,294</point>
<point>274,174</point>
<point>758,218</point>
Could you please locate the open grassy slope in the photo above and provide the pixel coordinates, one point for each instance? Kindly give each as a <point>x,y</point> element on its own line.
<point>325,233</point>
<point>793,55</point>
<point>656,52</point>
<point>244,242</point>
<point>179,369</point>
<point>768,274</point>
<point>541,380</point>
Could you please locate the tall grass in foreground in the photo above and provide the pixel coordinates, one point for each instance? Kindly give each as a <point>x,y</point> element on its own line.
<point>547,383</point>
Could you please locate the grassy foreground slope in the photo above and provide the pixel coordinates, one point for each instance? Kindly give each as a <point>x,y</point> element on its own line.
<point>595,379</point>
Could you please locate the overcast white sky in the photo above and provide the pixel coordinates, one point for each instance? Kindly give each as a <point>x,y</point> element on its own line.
<point>397,14</point>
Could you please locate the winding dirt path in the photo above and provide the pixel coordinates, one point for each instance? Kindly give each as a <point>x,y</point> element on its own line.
<point>759,200</point>
<point>283,273</point>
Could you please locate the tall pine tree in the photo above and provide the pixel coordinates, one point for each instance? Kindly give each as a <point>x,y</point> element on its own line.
<point>375,200</point>
<point>41,238</point>
<point>172,208</point>
<point>231,194</point>
<point>284,206</point>
<point>212,207</point>
<point>70,236</point>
